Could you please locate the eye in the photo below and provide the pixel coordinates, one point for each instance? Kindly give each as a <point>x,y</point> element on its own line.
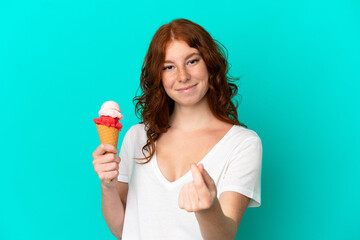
<point>167,67</point>
<point>193,61</point>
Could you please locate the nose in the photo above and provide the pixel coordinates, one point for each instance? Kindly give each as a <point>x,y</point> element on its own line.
<point>183,75</point>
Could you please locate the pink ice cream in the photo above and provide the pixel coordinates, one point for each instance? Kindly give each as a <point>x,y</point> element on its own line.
<point>110,115</point>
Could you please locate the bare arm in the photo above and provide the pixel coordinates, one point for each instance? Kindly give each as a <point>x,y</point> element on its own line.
<point>113,208</point>
<point>113,193</point>
<point>223,219</point>
<point>217,218</point>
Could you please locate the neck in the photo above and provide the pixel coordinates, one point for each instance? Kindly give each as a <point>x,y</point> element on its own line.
<point>191,118</point>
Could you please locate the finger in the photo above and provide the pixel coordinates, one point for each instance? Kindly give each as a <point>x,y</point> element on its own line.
<point>106,163</point>
<point>107,167</point>
<point>197,177</point>
<point>208,179</point>
<point>188,200</point>
<point>181,198</point>
<point>99,168</point>
<point>104,148</point>
<point>117,159</point>
<point>109,157</point>
<point>108,176</point>
<point>200,186</point>
<point>193,197</point>
<point>201,167</point>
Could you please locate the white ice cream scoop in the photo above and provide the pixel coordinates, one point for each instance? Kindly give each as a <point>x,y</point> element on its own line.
<point>112,109</point>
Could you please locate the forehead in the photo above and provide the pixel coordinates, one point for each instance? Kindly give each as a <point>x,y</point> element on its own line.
<point>178,49</point>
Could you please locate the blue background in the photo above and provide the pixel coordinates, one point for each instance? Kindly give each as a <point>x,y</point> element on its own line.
<point>299,63</point>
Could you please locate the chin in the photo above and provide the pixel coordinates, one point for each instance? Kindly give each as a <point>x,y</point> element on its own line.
<point>189,102</point>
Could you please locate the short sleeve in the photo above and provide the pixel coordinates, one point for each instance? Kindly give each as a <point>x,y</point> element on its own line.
<point>125,158</point>
<point>243,174</point>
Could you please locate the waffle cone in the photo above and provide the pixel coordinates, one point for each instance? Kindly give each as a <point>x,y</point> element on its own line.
<point>107,134</point>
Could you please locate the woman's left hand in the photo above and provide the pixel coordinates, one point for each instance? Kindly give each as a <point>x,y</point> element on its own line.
<point>199,194</point>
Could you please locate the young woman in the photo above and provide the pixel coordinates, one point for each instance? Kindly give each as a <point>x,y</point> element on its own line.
<point>189,170</point>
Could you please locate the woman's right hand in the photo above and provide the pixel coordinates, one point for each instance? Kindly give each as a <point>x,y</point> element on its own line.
<point>106,164</point>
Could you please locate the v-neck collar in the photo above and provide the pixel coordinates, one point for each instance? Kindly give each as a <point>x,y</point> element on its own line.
<point>173,184</point>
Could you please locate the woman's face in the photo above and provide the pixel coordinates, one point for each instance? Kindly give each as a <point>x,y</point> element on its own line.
<point>184,74</point>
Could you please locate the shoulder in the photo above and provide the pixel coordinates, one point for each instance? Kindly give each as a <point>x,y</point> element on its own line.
<point>137,128</point>
<point>241,135</point>
<point>136,131</point>
<point>246,147</point>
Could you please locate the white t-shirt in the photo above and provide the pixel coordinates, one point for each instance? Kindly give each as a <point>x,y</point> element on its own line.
<point>152,210</point>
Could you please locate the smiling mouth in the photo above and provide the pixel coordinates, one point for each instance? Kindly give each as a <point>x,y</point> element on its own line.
<point>186,88</point>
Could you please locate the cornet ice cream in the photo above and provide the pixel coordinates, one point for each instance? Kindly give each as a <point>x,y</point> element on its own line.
<point>108,125</point>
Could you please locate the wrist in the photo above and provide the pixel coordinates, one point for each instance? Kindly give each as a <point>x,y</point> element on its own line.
<point>108,187</point>
<point>214,209</point>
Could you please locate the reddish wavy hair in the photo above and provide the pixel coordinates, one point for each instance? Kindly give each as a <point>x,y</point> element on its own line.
<point>154,106</point>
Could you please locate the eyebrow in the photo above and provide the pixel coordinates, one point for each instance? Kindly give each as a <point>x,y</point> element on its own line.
<point>188,56</point>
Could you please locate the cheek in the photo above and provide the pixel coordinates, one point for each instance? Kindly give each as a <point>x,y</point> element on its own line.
<point>164,81</point>
<point>166,84</point>
<point>202,72</point>
<point>168,80</point>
